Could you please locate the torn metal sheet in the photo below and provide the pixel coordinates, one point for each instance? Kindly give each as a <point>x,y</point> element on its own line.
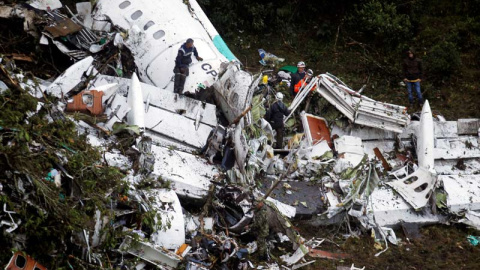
<point>165,100</point>
<point>46,5</point>
<point>116,111</point>
<point>13,225</point>
<point>84,10</point>
<point>463,192</point>
<point>20,261</point>
<point>389,208</point>
<point>416,188</point>
<point>315,128</point>
<point>155,45</point>
<point>63,28</point>
<point>147,252</point>
<point>453,166</point>
<point>360,109</point>
<point>240,147</point>
<point>189,175</point>
<point>285,209</point>
<point>87,102</point>
<point>165,202</point>
<point>301,95</point>
<point>175,127</point>
<point>193,223</point>
<point>297,256</point>
<point>351,152</point>
<point>458,148</point>
<point>468,126</point>
<point>70,78</point>
<point>234,90</point>
<point>471,218</point>
<point>75,54</point>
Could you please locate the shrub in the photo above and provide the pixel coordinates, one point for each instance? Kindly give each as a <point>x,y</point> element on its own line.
<point>380,22</point>
<point>443,60</point>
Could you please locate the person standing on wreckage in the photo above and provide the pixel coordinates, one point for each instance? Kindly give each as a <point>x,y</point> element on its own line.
<point>275,115</point>
<point>183,60</point>
<point>412,69</point>
<point>297,77</point>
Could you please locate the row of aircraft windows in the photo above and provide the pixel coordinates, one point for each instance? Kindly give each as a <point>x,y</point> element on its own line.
<point>137,14</point>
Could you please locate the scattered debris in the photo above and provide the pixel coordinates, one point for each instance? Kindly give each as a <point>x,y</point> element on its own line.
<point>136,176</point>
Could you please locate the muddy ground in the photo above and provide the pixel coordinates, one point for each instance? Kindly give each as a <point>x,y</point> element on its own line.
<point>439,247</point>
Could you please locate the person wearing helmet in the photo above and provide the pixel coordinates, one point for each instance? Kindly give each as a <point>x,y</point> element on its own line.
<point>296,77</point>
<point>183,60</point>
<point>304,81</point>
<point>275,115</point>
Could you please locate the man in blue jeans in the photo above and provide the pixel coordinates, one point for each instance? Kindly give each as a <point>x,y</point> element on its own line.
<point>412,69</point>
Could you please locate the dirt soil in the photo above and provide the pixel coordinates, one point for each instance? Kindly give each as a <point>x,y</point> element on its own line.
<point>439,247</point>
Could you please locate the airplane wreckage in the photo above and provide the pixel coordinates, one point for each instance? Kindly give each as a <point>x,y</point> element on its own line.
<point>368,161</point>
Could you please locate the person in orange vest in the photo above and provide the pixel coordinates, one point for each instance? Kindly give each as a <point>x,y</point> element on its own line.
<point>296,77</point>
<point>304,81</point>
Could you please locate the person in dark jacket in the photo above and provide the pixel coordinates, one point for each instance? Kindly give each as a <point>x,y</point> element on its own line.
<point>183,60</point>
<point>275,115</point>
<point>412,69</point>
<point>296,77</point>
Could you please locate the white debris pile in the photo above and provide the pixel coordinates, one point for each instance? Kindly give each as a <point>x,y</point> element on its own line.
<point>200,175</point>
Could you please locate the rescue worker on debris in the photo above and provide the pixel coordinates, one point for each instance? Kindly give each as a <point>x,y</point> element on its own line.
<point>303,82</point>
<point>275,115</point>
<point>412,69</point>
<point>183,60</point>
<point>296,77</point>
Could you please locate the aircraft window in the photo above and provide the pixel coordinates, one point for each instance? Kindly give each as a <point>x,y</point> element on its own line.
<point>124,4</point>
<point>137,14</point>
<point>148,24</point>
<point>235,98</point>
<point>159,34</point>
<point>21,261</point>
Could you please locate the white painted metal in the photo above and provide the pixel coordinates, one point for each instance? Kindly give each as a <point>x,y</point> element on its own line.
<point>162,259</point>
<point>136,116</point>
<point>155,39</point>
<point>176,127</point>
<point>468,126</point>
<point>301,95</point>
<point>165,202</point>
<point>425,139</point>
<point>416,188</point>
<point>45,4</point>
<point>164,100</point>
<point>360,109</point>
<point>389,209</point>
<point>463,192</point>
<point>234,90</point>
<point>458,148</point>
<point>69,78</point>
<point>189,175</point>
<point>350,150</point>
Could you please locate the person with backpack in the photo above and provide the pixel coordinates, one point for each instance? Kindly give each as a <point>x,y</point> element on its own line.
<point>275,115</point>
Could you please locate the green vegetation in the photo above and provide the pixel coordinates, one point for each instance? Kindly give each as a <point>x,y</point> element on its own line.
<point>364,42</point>
<point>30,147</point>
